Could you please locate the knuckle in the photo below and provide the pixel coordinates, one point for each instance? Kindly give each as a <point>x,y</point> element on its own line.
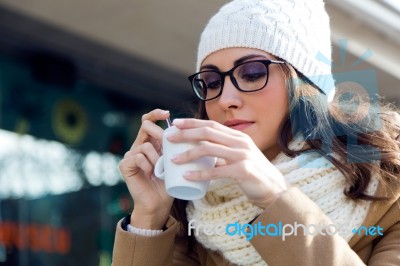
<point>123,167</point>
<point>247,138</point>
<point>246,141</point>
<point>146,123</point>
<point>136,150</point>
<point>147,146</point>
<point>126,155</point>
<point>242,155</point>
<point>247,153</point>
<point>203,149</point>
<point>140,158</point>
<point>211,123</point>
<point>247,146</point>
<point>206,132</point>
<point>140,161</point>
<point>150,115</point>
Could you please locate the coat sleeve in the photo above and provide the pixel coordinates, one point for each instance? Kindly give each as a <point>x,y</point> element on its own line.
<point>387,250</point>
<point>131,249</point>
<point>295,207</point>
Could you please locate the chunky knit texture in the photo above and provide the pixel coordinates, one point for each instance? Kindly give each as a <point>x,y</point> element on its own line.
<point>315,176</point>
<point>294,30</point>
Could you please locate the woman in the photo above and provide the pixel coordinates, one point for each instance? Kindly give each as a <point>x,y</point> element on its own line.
<point>289,153</point>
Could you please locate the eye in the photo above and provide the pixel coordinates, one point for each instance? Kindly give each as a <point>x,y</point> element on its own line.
<point>212,80</point>
<point>252,72</point>
<point>214,85</point>
<point>253,77</point>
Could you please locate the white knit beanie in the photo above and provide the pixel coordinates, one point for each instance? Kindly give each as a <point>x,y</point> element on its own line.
<point>296,31</point>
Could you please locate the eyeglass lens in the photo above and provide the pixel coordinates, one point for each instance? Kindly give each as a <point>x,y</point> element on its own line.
<point>250,76</point>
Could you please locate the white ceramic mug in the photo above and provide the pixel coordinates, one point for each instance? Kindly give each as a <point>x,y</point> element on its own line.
<point>175,184</point>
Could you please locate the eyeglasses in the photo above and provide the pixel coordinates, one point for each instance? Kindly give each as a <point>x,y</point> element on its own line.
<point>246,77</point>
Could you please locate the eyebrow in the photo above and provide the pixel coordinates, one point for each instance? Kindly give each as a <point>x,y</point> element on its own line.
<point>236,62</point>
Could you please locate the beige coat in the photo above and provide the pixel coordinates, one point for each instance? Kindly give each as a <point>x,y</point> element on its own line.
<point>292,206</point>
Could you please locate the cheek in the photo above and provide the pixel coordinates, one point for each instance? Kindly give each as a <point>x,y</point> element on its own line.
<point>212,110</point>
<point>274,102</point>
<point>280,97</point>
<point>272,114</point>
<point>274,109</point>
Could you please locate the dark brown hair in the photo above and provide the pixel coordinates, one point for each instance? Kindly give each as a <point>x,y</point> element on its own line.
<point>360,131</point>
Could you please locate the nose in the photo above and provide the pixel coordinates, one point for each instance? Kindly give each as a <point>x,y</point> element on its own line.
<point>230,97</point>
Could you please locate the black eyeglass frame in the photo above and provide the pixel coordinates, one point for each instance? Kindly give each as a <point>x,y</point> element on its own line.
<point>229,73</point>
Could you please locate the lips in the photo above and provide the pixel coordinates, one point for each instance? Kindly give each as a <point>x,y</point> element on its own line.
<point>238,123</point>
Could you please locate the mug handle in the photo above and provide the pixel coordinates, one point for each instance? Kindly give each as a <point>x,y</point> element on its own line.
<point>159,168</point>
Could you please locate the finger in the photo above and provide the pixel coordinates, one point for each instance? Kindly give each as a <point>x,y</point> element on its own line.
<point>149,131</point>
<point>155,115</point>
<point>210,149</point>
<point>196,123</point>
<point>157,144</point>
<point>128,167</point>
<point>132,165</point>
<point>144,164</point>
<point>129,153</point>
<point>150,148</point>
<point>220,162</point>
<point>210,174</point>
<point>223,137</point>
<point>152,117</point>
<point>147,149</point>
<point>150,152</point>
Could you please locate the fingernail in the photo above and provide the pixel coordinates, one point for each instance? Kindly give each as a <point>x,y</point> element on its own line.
<point>175,157</point>
<point>169,135</point>
<point>177,121</point>
<point>164,112</point>
<point>188,175</point>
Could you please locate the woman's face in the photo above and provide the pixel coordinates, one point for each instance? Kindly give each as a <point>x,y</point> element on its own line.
<point>259,113</point>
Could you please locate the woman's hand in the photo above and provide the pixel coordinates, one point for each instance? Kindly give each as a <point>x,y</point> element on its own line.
<point>151,201</point>
<point>238,158</point>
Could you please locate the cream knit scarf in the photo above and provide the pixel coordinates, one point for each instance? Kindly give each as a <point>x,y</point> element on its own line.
<point>315,176</point>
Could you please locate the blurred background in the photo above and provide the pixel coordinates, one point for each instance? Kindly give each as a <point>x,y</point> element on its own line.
<point>75,78</point>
